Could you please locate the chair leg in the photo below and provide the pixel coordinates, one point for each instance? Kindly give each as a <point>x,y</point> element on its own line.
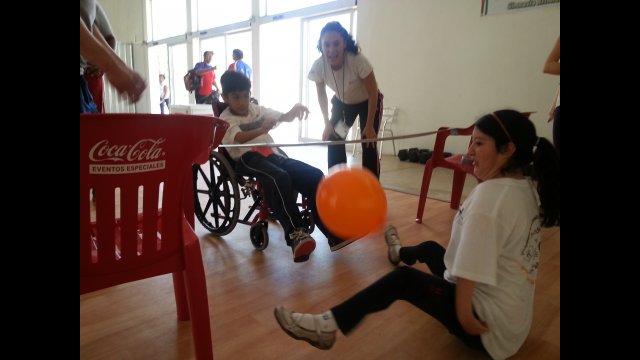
<point>393,142</point>
<point>182,306</point>
<point>382,130</point>
<point>424,188</point>
<point>196,287</point>
<point>456,189</point>
<point>355,137</point>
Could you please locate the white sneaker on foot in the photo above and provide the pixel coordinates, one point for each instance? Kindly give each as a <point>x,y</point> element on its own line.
<point>291,325</point>
<point>393,243</point>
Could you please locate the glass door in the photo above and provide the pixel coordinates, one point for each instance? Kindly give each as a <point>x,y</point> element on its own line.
<point>312,128</point>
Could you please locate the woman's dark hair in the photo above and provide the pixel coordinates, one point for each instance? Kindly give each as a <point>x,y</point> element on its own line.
<point>506,126</point>
<point>351,47</point>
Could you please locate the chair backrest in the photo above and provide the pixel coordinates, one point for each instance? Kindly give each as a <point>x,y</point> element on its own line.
<point>137,162</point>
<point>389,113</point>
<point>438,157</point>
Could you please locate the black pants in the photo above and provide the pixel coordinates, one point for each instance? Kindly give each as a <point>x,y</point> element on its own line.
<point>430,293</point>
<point>337,153</point>
<point>279,177</point>
<point>207,99</point>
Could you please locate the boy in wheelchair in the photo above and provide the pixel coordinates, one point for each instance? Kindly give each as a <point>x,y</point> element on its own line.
<point>279,175</point>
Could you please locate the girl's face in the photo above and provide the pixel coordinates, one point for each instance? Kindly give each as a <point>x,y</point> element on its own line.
<point>333,46</point>
<point>487,161</point>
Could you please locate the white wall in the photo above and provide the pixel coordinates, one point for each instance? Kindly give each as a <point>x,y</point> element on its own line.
<point>443,64</point>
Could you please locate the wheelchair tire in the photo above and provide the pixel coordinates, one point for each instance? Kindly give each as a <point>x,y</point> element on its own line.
<point>259,235</point>
<point>217,195</point>
<point>307,218</point>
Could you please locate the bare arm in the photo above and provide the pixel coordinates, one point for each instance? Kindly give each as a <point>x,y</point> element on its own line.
<point>372,89</point>
<point>464,308</point>
<point>552,65</point>
<point>323,101</point>
<point>248,135</point>
<point>204,71</point>
<point>95,50</point>
<point>297,111</point>
<point>103,24</point>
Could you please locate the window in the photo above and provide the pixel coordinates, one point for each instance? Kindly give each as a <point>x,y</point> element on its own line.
<point>286,43</point>
<point>215,13</point>
<point>169,18</point>
<point>271,7</point>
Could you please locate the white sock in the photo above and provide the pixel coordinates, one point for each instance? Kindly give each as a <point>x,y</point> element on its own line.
<point>325,321</point>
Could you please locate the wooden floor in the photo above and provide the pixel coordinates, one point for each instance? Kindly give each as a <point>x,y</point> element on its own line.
<point>138,320</point>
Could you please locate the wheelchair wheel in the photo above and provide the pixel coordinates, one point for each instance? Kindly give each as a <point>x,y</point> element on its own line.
<point>307,218</point>
<point>259,235</point>
<point>217,196</point>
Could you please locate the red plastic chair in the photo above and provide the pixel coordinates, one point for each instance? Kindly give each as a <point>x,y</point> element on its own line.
<point>454,163</point>
<point>144,161</point>
<point>460,169</point>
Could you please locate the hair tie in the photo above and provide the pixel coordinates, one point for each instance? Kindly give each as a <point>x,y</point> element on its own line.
<point>502,126</point>
<point>535,146</point>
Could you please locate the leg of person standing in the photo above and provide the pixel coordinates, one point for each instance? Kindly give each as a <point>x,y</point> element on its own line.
<point>337,154</point>
<point>370,159</point>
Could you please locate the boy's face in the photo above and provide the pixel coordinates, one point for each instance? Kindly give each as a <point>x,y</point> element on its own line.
<point>238,102</point>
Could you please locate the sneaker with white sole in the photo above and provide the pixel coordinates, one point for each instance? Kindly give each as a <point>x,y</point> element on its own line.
<point>321,339</point>
<point>302,244</point>
<point>393,244</point>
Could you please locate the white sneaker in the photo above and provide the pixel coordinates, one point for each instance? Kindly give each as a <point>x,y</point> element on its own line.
<point>393,243</point>
<point>321,339</point>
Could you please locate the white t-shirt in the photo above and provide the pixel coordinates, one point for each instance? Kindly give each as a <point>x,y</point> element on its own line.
<point>346,82</point>
<point>256,115</point>
<point>495,241</point>
<point>168,94</point>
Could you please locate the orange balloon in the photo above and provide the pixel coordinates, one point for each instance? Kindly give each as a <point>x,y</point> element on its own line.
<point>351,203</point>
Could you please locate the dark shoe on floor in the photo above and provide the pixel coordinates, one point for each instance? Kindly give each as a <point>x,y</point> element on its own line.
<point>302,244</point>
<point>316,337</point>
<point>337,244</point>
<point>393,244</point>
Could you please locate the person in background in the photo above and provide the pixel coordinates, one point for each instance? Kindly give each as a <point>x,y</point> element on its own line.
<point>552,66</point>
<point>350,75</point>
<point>95,49</point>
<point>165,94</point>
<point>93,74</point>
<point>205,93</point>
<point>481,288</point>
<point>279,175</point>
<point>239,65</point>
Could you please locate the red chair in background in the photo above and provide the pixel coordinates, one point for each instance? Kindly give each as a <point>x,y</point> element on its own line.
<point>143,161</point>
<point>454,163</point>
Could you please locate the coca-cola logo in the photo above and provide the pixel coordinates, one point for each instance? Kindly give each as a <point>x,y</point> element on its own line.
<point>143,150</point>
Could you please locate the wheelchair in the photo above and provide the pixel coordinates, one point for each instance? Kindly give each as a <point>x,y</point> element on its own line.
<point>219,191</point>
